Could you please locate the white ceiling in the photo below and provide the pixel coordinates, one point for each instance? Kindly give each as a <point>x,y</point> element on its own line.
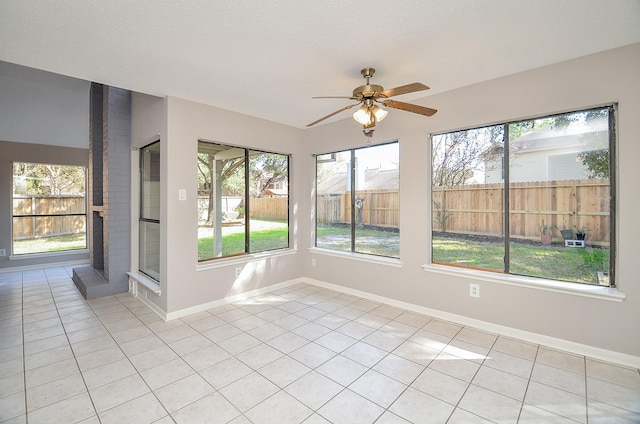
<point>267,58</point>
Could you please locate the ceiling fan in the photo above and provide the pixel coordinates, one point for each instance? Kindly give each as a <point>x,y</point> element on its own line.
<point>369,95</point>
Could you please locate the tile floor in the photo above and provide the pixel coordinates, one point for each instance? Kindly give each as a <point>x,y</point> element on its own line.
<point>299,354</point>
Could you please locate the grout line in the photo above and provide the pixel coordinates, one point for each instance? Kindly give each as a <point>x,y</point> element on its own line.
<point>24,353</point>
<point>320,296</point>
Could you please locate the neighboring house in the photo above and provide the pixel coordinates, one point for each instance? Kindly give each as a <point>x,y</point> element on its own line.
<point>274,189</point>
<point>550,153</point>
<point>275,192</point>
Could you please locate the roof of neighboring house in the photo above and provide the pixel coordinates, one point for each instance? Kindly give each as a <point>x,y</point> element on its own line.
<point>275,192</point>
<point>549,137</point>
<point>374,179</point>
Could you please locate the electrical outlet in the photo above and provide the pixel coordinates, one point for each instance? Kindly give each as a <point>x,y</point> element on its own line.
<point>313,261</point>
<point>474,290</point>
<point>3,252</point>
<point>238,271</point>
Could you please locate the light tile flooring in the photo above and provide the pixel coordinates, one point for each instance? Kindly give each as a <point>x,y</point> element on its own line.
<point>299,354</point>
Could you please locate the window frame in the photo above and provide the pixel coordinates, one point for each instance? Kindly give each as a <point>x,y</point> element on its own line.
<point>353,189</point>
<point>548,283</point>
<point>32,215</point>
<point>143,220</point>
<point>205,263</point>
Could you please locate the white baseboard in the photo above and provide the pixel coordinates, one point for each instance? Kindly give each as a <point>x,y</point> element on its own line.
<point>552,342</point>
<point>155,308</point>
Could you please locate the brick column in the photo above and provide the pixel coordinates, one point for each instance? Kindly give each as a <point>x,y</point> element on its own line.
<point>109,193</point>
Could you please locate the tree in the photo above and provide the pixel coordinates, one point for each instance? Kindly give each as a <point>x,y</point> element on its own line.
<point>232,177</point>
<point>518,129</point>
<point>46,179</point>
<point>460,155</point>
<point>266,169</point>
<point>597,162</point>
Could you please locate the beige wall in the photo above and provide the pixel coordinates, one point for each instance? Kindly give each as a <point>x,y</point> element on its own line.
<point>187,123</point>
<point>43,108</point>
<point>611,76</point>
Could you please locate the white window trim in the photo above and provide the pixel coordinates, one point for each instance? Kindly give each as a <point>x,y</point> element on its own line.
<point>362,257</point>
<point>227,261</point>
<point>47,254</point>
<point>575,289</point>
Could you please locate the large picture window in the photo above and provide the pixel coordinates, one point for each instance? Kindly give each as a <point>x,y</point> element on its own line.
<point>49,212</point>
<point>357,200</point>
<point>243,201</point>
<point>532,198</point>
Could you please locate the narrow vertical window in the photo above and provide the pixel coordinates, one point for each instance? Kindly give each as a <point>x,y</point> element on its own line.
<point>268,201</point>
<point>149,222</point>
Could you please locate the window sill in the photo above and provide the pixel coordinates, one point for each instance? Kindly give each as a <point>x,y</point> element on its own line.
<point>575,289</point>
<point>243,259</point>
<point>363,257</point>
<point>46,254</point>
<point>148,282</point>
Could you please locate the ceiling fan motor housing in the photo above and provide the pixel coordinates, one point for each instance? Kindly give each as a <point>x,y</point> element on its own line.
<point>369,90</point>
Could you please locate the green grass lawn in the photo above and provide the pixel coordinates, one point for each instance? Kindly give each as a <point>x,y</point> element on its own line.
<point>555,262</point>
<point>233,244</point>
<point>368,240</point>
<point>50,244</point>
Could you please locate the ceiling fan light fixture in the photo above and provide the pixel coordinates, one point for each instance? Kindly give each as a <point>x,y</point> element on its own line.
<point>363,115</point>
<point>368,114</point>
<point>379,113</point>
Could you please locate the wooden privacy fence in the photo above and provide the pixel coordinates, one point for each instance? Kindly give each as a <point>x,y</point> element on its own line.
<point>380,208</point>
<point>262,207</point>
<point>571,204</point>
<point>269,207</point>
<point>46,216</point>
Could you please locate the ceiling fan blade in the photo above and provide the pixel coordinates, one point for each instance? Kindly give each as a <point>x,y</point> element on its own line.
<point>331,114</point>
<point>334,97</point>
<point>427,111</point>
<point>404,89</point>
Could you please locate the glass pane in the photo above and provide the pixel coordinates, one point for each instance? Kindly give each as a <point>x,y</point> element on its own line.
<point>49,208</point>
<point>559,190</point>
<point>269,201</point>
<point>150,249</point>
<point>377,206</point>
<point>333,202</point>
<point>221,201</point>
<point>150,189</point>
<point>149,231</point>
<point>467,198</point>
